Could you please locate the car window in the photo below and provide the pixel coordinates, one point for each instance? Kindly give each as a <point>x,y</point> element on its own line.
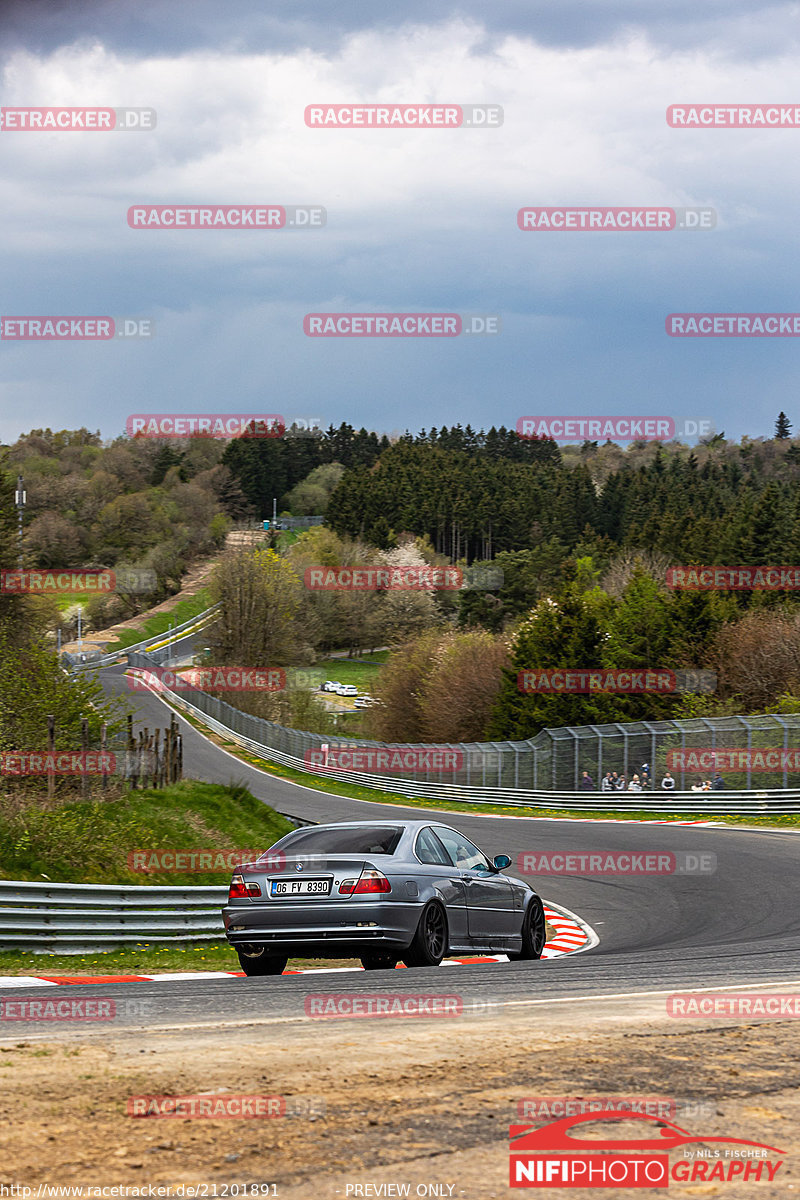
<point>430,850</point>
<point>461,850</point>
<point>371,839</point>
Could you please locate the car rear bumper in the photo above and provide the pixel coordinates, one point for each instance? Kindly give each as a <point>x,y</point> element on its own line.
<point>332,929</point>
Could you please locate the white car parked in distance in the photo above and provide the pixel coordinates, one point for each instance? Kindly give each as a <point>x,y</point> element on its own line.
<point>348,689</point>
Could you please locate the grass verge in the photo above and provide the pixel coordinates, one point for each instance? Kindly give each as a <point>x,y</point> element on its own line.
<point>152,627</point>
<point>343,670</point>
<point>90,841</point>
<point>145,959</point>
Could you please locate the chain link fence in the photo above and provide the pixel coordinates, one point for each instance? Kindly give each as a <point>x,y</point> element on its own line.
<point>759,752</point>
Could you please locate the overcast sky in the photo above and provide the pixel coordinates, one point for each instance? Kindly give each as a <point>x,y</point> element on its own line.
<point>417,220</point>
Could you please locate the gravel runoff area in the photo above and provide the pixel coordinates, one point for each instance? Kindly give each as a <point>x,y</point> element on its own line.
<point>407,1101</point>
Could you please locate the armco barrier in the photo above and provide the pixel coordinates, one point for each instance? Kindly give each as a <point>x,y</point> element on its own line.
<point>147,645</point>
<point>76,917</point>
<point>726,803</point>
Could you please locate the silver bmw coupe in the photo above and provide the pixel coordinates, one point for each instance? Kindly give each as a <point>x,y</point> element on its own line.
<point>382,891</point>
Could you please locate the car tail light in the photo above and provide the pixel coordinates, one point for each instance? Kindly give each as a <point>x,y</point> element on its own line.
<point>239,890</point>
<point>370,883</point>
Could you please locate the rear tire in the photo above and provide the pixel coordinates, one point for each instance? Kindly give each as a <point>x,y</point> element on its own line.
<point>256,961</point>
<point>430,941</point>
<point>534,933</point>
<point>378,962</point>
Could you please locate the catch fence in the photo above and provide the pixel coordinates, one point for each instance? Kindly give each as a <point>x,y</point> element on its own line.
<point>555,760</point>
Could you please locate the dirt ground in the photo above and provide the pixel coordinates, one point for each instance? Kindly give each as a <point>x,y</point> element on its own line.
<point>196,579</point>
<point>379,1102</point>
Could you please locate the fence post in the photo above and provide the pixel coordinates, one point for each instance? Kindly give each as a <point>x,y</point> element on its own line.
<point>130,755</point>
<point>85,749</point>
<point>103,744</point>
<point>51,747</point>
<point>157,767</point>
<point>168,753</point>
<point>146,740</point>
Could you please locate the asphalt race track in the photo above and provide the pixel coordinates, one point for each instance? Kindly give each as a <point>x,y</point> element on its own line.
<point>739,926</point>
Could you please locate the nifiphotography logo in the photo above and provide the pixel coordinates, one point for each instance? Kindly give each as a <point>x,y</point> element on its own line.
<point>558,1156</point>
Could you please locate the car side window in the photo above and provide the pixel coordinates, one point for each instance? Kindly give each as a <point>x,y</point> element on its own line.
<point>462,852</point>
<point>430,850</point>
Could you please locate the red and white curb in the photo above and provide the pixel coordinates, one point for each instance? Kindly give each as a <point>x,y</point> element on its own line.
<point>572,935</point>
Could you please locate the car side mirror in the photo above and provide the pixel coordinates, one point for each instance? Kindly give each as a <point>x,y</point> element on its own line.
<point>501,861</point>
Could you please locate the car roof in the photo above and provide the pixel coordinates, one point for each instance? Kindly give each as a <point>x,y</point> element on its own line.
<point>414,824</point>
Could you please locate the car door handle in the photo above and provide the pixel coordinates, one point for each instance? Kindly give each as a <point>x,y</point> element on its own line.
<point>457,880</point>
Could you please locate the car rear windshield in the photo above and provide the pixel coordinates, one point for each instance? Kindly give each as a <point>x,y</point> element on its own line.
<point>372,839</point>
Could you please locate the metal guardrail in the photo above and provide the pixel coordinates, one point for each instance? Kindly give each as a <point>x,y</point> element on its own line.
<point>75,917</point>
<point>146,645</point>
<point>723,803</point>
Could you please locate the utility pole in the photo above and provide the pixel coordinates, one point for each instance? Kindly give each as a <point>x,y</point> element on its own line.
<point>20,497</point>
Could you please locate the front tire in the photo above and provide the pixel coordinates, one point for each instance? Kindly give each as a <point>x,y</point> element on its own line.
<point>256,961</point>
<point>430,941</point>
<point>534,933</point>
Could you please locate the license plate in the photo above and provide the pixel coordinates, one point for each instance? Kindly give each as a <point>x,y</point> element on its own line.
<point>300,887</point>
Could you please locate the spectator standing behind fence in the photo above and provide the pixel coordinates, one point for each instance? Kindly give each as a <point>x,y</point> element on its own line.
<point>622,783</point>
<point>644,774</point>
<point>635,785</point>
<point>607,783</point>
<point>668,783</point>
<point>586,783</point>
<point>718,784</point>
